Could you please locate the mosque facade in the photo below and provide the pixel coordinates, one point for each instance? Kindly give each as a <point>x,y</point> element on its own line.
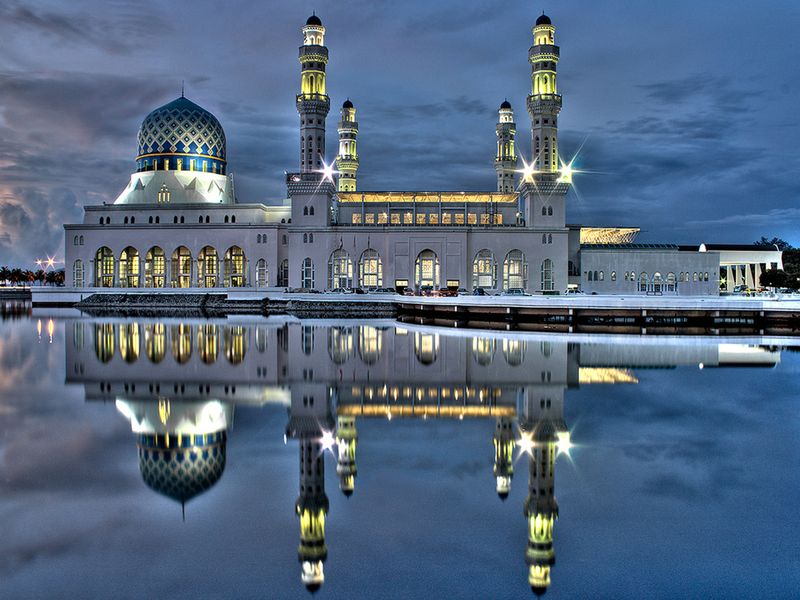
<point>179,224</point>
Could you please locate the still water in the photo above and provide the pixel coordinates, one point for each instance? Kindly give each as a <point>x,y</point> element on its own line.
<point>266,458</point>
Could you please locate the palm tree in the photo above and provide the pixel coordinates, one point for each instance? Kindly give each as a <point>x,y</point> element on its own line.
<point>29,276</point>
<point>59,278</point>
<point>16,276</point>
<point>5,274</point>
<point>40,276</point>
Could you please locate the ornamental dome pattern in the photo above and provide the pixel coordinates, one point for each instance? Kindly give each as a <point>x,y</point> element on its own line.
<point>181,136</point>
<point>182,472</point>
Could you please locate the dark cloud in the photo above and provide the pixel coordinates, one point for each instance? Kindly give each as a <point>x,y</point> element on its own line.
<point>677,117</point>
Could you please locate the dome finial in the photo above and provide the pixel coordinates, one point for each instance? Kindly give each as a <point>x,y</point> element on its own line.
<point>183,88</point>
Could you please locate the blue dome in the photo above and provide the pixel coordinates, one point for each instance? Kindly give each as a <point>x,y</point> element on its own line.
<point>182,471</point>
<point>181,135</point>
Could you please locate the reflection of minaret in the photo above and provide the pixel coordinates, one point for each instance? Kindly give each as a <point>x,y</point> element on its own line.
<point>181,444</point>
<point>544,432</point>
<point>503,455</point>
<point>311,423</point>
<point>346,440</point>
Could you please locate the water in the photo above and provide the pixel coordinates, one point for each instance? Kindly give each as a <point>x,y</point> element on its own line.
<point>144,459</point>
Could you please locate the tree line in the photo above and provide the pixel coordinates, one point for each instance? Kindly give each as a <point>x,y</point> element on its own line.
<point>789,276</point>
<point>26,277</point>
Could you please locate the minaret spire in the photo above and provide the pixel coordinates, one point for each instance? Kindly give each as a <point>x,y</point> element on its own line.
<point>312,102</point>
<point>347,160</point>
<point>505,161</point>
<point>544,103</point>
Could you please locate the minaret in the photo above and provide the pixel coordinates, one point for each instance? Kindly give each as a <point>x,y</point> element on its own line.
<point>347,160</point>
<point>505,162</point>
<point>544,103</point>
<point>503,455</point>
<point>313,103</point>
<point>544,434</point>
<point>346,440</point>
<point>311,424</point>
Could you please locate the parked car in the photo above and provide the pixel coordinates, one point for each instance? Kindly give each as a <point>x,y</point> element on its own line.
<point>514,292</point>
<point>574,292</point>
<point>479,292</point>
<point>463,292</point>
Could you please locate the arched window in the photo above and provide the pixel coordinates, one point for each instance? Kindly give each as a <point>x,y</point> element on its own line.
<point>163,194</point>
<point>484,270</point>
<point>75,241</point>
<point>514,351</point>
<point>426,347</point>
<point>341,346</point>
<point>199,219</point>
<point>426,269</point>
<point>208,219</point>
<point>77,273</point>
<point>226,219</point>
<point>370,344</point>
<point>261,273</point>
<point>125,220</point>
<point>613,275</point>
<point>305,211</point>
<point>548,284</point>
<point>283,273</point>
<point>233,219</point>
<point>80,241</point>
<point>370,269</point>
<point>544,238</point>
<point>670,282</point>
<point>549,211</point>
<point>515,271</point>
<point>181,219</point>
<point>544,211</point>
<point>208,268</point>
<point>549,238</point>
<point>158,220</point>
<point>311,211</point>
<point>234,267</point>
<point>340,270</point>
<point>483,350</point>
<point>305,238</point>
<point>657,281</point>
<point>181,343</point>
<point>307,274</point>
<point>643,281</point>
<point>181,268</point>
<point>310,238</point>
<point>129,268</point>
<point>590,276</point>
<point>602,276</point>
<point>104,264</point>
<point>155,268</point>
<point>694,276</point>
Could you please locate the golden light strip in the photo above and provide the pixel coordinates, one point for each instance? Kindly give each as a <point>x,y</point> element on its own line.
<point>427,197</point>
<point>422,410</point>
<point>589,375</point>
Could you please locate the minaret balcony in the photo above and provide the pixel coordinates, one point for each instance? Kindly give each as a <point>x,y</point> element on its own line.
<point>317,103</point>
<point>544,52</point>
<point>544,102</point>
<point>315,53</point>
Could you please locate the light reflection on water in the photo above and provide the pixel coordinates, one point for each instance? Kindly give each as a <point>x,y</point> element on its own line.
<point>178,385</point>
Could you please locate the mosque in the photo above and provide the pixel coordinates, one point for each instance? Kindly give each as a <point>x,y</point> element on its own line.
<point>179,224</point>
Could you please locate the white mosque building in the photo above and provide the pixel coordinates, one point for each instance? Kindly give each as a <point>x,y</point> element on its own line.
<point>179,225</point>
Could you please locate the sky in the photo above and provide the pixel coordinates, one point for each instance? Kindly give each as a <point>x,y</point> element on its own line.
<point>684,112</point>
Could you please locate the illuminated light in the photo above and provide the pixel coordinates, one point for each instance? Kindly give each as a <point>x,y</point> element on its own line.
<point>39,328</point>
<point>563,445</point>
<point>528,171</point>
<point>51,261</point>
<point>327,170</point>
<point>525,444</point>
<point>285,439</point>
<point>701,366</point>
<point>51,327</point>
<point>327,441</point>
<point>566,171</point>
<point>389,415</point>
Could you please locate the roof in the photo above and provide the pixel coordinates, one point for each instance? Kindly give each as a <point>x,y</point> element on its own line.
<point>314,20</point>
<point>741,247</point>
<point>543,20</point>
<point>630,247</point>
<point>608,235</point>
<point>418,197</point>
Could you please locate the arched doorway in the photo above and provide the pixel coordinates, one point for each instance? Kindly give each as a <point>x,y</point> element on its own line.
<point>515,271</point>
<point>234,266</point>
<point>261,273</point>
<point>484,270</point>
<point>181,270</point>
<point>104,267</point>
<point>155,268</point>
<point>340,270</point>
<point>208,267</point>
<point>426,269</point>
<point>370,269</point>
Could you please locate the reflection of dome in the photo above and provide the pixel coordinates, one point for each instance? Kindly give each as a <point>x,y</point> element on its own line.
<point>538,590</point>
<point>182,471</point>
<point>181,132</point>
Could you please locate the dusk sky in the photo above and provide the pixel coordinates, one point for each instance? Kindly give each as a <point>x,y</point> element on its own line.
<point>687,110</point>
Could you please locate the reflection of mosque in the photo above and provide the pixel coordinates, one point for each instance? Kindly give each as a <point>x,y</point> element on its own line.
<point>178,383</point>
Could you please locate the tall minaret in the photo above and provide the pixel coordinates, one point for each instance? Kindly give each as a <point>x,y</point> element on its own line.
<point>503,455</point>
<point>544,433</point>
<point>346,440</point>
<point>544,103</point>
<point>505,163</point>
<point>347,160</point>
<point>312,102</point>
